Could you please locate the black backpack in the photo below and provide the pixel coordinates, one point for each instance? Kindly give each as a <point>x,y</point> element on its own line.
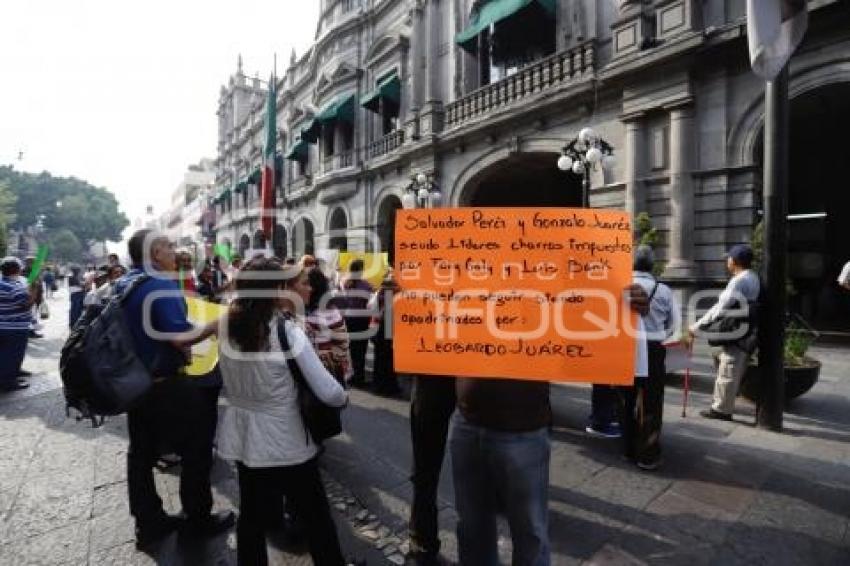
<point>101,373</point>
<point>321,421</point>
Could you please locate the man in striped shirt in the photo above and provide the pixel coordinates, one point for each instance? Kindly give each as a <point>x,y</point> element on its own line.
<point>15,319</point>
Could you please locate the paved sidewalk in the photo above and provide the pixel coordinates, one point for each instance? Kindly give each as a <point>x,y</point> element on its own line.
<point>63,490</point>
<point>728,493</point>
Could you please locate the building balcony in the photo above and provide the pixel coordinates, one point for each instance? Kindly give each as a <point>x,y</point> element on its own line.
<point>546,75</point>
<point>385,145</point>
<point>336,162</point>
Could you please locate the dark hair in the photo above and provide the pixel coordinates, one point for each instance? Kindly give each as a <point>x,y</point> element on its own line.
<point>249,315</point>
<point>320,287</point>
<point>356,266</point>
<point>11,268</point>
<point>136,246</point>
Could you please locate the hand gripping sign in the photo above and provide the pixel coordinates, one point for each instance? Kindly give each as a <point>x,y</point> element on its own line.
<point>533,294</point>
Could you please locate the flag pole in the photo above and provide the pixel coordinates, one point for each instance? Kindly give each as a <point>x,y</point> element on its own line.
<point>772,323</point>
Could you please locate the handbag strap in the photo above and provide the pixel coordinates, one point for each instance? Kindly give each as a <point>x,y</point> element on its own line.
<point>294,370</point>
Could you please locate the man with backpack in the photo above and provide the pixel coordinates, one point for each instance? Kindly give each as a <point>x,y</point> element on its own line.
<point>733,318</point>
<point>173,413</point>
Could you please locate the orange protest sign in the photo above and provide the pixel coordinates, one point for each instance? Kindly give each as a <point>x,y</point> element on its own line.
<point>532,294</point>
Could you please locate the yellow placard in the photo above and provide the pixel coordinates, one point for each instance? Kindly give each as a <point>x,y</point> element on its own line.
<point>204,354</point>
<point>535,294</point>
<point>375,265</point>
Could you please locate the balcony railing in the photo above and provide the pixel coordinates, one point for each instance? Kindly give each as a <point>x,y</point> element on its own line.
<point>385,145</point>
<point>543,75</point>
<point>336,162</point>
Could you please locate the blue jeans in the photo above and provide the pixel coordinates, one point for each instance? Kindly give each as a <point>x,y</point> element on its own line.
<point>13,348</point>
<point>500,472</point>
<point>76,310</point>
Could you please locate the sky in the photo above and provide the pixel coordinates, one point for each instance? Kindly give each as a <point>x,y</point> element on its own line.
<point>124,94</point>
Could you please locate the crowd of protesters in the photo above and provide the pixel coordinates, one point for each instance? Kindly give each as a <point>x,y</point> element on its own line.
<point>496,429</point>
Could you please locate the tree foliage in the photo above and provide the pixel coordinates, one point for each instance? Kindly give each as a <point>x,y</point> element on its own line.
<point>648,236</point>
<point>65,246</point>
<point>7,214</point>
<point>90,213</point>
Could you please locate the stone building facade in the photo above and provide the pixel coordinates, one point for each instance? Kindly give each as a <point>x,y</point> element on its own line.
<point>480,96</point>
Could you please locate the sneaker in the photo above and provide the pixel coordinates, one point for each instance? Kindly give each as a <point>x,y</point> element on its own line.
<point>717,415</point>
<point>16,385</point>
<point>151,532</point>
<point>610,430</point>
<point>210,526</point>
<point>649,465</point>
<point>24,373</point>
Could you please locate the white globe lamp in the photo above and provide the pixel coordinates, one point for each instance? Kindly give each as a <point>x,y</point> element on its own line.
<point>586,135</point>
<point>578,168</point>
<point>594,155</point>
<point>565,163</point>
<point>408,200</point>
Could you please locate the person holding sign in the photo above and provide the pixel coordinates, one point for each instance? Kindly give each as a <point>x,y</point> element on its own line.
<point>500,446</point>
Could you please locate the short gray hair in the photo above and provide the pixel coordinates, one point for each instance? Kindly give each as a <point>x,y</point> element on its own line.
<point>644,258</point>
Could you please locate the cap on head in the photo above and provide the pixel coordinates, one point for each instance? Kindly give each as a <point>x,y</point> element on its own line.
<point>741,254</point>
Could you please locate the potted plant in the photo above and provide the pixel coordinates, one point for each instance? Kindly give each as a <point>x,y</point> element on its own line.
<point>801,371</point>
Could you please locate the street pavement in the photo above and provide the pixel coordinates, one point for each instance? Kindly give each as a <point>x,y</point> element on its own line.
<point>727,493</point>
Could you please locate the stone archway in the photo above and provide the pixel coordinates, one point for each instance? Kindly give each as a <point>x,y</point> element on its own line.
<point>522,179</point>
<point>303,238</point>
<point>259,241</point>
<point>386,225</point>
<point>818,204</point>
<point>338,230</point>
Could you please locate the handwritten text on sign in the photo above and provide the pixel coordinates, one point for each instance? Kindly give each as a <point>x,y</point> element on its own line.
<point>517,293</point>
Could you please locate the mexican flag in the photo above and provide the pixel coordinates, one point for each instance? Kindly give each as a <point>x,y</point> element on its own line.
<point>267,183</point>
<point>774,29</point>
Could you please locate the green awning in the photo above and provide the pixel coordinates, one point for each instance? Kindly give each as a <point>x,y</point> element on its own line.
<point>310,133</point>
<point>493,12</point>
<point>223,195</point>
<point>341,108</point>
<point>255,177</point>
<point>240,186</point>
<point>388,89</point>
<point>298,151</point>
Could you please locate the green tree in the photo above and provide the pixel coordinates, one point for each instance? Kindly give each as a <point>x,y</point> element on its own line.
<point>90,213</point>
<point>7,215</point>
<point>648,236</point>
<point>65,246</point>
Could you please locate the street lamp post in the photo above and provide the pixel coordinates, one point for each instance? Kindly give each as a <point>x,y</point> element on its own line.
<point>582,155</point>
<point>422,193</point>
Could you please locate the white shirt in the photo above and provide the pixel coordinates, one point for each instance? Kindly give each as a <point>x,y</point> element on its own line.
<point>844,277</point>
<point>745,284</point>
<point>664,315</point>
<point>262,425</point>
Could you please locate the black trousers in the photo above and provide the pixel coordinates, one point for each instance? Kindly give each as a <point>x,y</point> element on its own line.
<point>259,491</point>
<point>383,375</point>
<point>180,415</point>
<point>642,409</point>
<point>431,406</point>
<point>358,348</point>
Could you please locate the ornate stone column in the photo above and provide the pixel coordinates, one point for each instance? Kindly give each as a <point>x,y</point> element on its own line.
<point>432,112</point>
<point>418,41</point>
<point>633,153</point>
<point>681,244</point>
